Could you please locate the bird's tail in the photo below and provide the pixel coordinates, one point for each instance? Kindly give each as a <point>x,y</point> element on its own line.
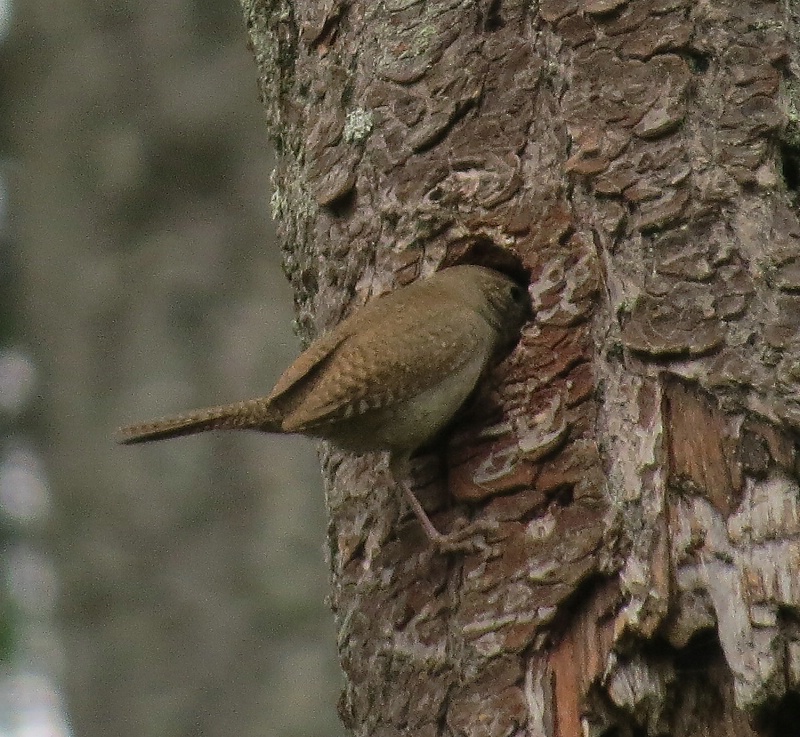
<point>254,414</point>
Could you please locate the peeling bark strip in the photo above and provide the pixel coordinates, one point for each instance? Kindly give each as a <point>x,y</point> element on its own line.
<point>627,154</point>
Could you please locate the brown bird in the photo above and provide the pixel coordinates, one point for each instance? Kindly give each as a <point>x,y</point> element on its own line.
<point>387,378</point>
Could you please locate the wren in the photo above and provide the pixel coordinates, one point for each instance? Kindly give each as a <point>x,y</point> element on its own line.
<point>387,378</point>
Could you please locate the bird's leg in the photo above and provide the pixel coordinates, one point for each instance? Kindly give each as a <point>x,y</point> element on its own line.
<point>463,540</point>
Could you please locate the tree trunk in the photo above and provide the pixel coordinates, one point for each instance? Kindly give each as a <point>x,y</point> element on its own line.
<point>637,449</point>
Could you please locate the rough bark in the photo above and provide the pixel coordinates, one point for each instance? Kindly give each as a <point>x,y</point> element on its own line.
<point>637,449</point>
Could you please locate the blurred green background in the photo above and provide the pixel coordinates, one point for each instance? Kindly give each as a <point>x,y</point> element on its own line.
<point>175,589</point>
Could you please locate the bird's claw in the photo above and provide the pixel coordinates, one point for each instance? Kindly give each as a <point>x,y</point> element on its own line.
<point>469,539</point>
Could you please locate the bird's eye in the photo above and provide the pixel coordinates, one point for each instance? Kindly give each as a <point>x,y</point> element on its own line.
<point>517,294</point>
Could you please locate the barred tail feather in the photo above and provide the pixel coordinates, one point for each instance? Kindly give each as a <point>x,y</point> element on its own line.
<point>254,414</point>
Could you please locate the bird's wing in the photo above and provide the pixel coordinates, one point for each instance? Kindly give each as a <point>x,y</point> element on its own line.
<point>307,361</point>
<point>388,363</point>
<point>318,353</point>
<point>304,368</point>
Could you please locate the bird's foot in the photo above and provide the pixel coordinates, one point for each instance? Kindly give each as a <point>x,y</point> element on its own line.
<point>468,539</point>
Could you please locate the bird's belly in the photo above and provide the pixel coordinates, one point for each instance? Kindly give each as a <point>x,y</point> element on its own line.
<point>408,424</point>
